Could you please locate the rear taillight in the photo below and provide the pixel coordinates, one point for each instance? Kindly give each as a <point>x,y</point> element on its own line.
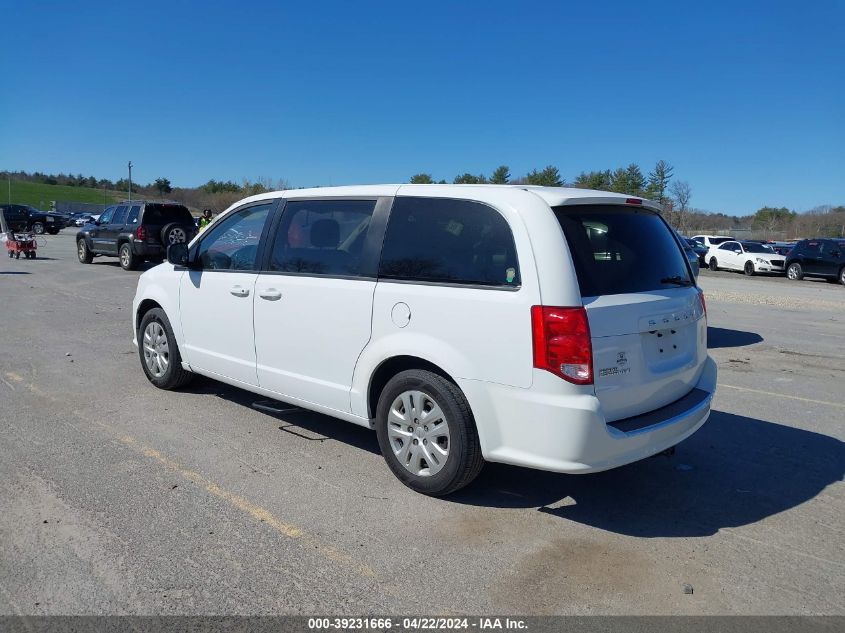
<point>703,302</point>
<point>140,233</point>
<point>562,345</point>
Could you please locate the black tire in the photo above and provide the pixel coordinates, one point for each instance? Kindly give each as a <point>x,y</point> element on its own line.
<point>38,228</point>
<point>464,460</point>
<point>11,254</point>
<point>749,269</point>
<point>794,272</point>
<point>174,233</point>
<point>842,275</point>
<point>714,265</point>
<point>17,254</point>
<point>82,252</point>
<point>175,376</point>
<point>128,260</point>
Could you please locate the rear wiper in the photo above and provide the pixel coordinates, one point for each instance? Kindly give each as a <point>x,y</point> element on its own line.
<point>677,280</point>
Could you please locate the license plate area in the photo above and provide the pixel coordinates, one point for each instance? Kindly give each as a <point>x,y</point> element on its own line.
<point>667,348</point>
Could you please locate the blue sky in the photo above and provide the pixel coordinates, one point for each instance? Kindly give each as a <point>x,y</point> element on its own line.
<point>745,99</point>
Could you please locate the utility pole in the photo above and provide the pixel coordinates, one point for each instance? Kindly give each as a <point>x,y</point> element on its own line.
<point>130,181</point>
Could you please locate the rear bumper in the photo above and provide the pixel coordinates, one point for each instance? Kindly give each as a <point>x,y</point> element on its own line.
<point>145,249</point>
<point>541,429</point>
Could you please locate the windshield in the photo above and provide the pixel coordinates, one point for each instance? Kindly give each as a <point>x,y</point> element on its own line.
<point>719,240</point>
<point>620,250</point>
<point>757,248</point>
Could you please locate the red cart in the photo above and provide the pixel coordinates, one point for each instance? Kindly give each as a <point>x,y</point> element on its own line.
<point>17,243</point>
<point>18,235</point>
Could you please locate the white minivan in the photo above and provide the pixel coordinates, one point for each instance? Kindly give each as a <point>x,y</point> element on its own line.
<point>546,327</point>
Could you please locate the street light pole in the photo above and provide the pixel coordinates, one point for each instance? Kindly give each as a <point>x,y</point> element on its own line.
<point>130,181</point>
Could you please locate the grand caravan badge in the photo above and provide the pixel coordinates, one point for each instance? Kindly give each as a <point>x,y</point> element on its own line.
<point>621,368</point>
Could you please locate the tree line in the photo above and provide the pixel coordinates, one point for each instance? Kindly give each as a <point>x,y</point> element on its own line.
<point>631,180</point>
<point>658,184</point>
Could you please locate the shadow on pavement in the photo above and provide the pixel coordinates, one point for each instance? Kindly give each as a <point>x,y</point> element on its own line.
<point>14,272</point>
<point>718,337</point>
<point>308,425</point>
<point>735,471</point>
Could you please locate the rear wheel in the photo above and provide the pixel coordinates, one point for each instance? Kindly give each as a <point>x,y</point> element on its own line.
<point>128,261</point>
<point>427,433</point>
<point>749,269</point>
<point>160,357</point>
<point>714,265</point>
<point>842,275</point>
<point>795,272</point>
<point>82,252</point>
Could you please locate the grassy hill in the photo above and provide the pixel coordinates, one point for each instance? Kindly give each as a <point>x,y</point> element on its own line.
<point>40,195</point>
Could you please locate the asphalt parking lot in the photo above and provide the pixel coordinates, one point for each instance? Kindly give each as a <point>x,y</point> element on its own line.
<point>122,499</point>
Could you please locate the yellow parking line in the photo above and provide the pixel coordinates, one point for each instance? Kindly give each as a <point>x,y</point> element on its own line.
<point>255,511</point>
<point>783,395</point>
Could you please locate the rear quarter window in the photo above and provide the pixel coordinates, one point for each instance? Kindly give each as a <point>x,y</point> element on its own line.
<point>618,250</point>
<point>449,241</point>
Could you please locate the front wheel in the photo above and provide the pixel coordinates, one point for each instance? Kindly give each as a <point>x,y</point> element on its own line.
<point>427,433</point>
<point>714,265</point>
<point>82,252</point>
<point>160,357</point>
<point>749,269</point>
<point>842,276</point>
<point>38,228</point>
<point>128,261</point>
<point>795,272</point>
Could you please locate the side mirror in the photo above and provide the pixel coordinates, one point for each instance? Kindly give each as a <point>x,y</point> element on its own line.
<point>177,254</point>
<point>96,222</point>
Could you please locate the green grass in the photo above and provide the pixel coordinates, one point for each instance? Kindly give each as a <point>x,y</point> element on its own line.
<point>40,195</point>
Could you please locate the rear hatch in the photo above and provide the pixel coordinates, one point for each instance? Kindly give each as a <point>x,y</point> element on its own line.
<point>645,313</point>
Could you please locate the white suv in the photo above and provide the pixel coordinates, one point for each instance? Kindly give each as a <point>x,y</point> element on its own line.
<point>553,328</point>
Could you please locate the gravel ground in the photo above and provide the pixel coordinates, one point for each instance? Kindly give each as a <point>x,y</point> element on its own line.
<point>122,499</point>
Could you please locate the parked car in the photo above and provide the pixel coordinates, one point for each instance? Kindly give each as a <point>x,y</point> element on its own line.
<point>135,231</point>
<point>545,327</point>
<point>709,241</point>
<point>81,219</point>
<point>699,249</point>
<point>782,248</point>
<point>821,257</point>
<point>689,252</point>
<point>748,257</point>
<point>37,221</point>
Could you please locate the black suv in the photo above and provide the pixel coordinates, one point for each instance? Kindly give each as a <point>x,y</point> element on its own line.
<point>821,257</point>
<point>135,231</point>
<point>37,221</point>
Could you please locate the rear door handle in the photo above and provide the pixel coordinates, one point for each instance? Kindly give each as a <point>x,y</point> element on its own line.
<point>239,291</point>
<point>271,294</point>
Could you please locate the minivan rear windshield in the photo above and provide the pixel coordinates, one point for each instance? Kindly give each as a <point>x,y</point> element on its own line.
<point>166,213</point>
<point>619,249</point>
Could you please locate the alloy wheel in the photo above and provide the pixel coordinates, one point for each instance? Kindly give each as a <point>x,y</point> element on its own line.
<point>177,236</point>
